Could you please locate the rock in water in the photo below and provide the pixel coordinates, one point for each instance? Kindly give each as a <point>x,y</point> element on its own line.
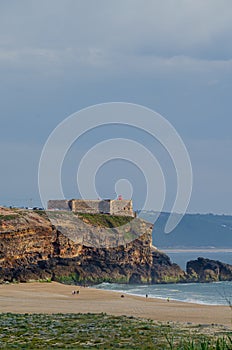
<point>206,270</point>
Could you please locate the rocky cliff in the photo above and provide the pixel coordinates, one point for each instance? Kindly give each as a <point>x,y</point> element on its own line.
<point>206,270</point>
<point>33,248</point>
<point>90,249</point>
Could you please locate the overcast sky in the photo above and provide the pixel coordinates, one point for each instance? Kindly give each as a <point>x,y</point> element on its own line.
<point>173,56</point>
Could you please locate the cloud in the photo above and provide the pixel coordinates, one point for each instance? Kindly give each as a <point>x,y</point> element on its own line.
<point>110,38</point>
<point>174,56</point>
<point>212,175</point>
<point>92,39</point>
<point>92,64</point>
<point>188,28</point>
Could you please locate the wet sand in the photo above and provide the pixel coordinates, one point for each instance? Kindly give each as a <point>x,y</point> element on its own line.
<point>58,298</point>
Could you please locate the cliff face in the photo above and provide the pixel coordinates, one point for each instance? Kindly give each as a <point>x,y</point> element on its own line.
<point>31,248</point>
<point>164,271</point>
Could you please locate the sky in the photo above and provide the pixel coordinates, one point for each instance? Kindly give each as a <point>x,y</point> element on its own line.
<point>172,56</point>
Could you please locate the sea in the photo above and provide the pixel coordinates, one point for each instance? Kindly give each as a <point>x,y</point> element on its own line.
<point>215,293</point>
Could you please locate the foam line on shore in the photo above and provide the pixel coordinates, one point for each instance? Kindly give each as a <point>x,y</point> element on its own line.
<point>58,298</point>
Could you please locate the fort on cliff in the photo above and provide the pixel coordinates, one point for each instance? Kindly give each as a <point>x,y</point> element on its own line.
<point>120,207</point>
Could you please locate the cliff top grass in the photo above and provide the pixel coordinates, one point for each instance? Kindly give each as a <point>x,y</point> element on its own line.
<point>104,220</point>
<point>101,331</point>
<point>8,215</point>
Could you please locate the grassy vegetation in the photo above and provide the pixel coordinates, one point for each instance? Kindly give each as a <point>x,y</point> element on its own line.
<point>42,213</point>
<point>100,331</point>
<point>8,217</point>
<point>104,220</point>
<point>72,278</point>
<point>75,279</point>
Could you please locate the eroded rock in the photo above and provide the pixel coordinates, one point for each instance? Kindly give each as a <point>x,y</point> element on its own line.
<point>31,248</point>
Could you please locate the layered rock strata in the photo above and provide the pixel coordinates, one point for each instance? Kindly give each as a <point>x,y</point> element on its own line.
<point>32,248</point>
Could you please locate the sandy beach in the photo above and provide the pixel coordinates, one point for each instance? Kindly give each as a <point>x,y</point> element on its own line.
<point>58,298</point>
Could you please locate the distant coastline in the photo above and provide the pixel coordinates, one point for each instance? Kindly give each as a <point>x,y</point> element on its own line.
<point>196,250</point>
<point>181,256</point>
<point>195,231</point>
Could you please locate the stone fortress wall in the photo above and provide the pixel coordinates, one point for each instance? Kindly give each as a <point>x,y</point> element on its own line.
<point>91,206</point>
<point>62,204</point>
<point>120,207</point>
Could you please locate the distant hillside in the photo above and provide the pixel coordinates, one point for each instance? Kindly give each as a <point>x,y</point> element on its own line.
<point>194,231</point>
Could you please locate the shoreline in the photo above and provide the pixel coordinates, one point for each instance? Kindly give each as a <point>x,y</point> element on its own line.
<point>47,298</point>
<point>161,299</point>
<point>196,250</point>
<point>168,296</point>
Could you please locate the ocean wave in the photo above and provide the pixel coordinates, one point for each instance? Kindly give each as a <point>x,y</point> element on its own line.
<point>197,293</point>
